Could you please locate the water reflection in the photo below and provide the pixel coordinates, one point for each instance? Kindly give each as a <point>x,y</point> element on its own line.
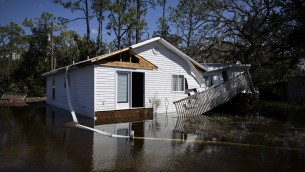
<point>92,150</point>
<point>44,139</point>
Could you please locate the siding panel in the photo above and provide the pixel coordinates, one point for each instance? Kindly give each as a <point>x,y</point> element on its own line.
<point>104,88</point>
<point>159,82</point>
<point>81,89</point>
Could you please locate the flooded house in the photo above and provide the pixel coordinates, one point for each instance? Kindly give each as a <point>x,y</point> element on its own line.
<point>133,81</point>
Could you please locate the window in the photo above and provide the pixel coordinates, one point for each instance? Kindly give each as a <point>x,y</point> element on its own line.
<point>53,89</point>
<point>122,92</point>
<point>178,83</point>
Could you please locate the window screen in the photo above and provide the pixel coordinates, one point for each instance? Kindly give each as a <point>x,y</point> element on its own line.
<point>178,83</point>
<point>122,87</point>
<point>53,89</point>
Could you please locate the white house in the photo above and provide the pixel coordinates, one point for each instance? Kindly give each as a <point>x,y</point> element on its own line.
<point>149,73</point>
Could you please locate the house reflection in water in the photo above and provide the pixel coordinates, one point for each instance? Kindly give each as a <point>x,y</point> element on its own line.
<point>89,150</point>
<point>182,144</point>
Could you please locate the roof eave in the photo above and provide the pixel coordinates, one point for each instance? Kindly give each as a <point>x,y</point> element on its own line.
<point>180,53</point>
<point>81,63</point>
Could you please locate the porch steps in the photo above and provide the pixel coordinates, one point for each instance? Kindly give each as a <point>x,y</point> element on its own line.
<point>13,96</point>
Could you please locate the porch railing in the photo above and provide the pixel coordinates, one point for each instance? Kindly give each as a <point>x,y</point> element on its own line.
<point>202,102</point>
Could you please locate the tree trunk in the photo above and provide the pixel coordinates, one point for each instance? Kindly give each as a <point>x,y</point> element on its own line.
<point>119,33</point>
<point>99,37</point>
<point>189,35</point>
<point>87,21</point>
<point>129,37</point>
<point>119,42</point>
<point>100,31</point>
<point>138,21</point>
<point>163,20</point>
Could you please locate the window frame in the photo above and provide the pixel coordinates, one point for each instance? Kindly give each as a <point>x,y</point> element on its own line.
<point>183,83</point>
<point>53,89</point>
<point>127,88</point>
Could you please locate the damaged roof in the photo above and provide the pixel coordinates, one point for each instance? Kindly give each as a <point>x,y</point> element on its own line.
<point>94,60</point>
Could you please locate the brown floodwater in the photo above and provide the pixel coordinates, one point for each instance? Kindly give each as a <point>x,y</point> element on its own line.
<point>43,138</point>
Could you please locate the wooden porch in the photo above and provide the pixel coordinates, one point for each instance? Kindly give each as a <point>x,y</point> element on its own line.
<point>201,102</point>
<point>124,115</point>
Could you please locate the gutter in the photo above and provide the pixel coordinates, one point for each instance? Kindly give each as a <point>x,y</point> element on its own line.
<point>131,134</point>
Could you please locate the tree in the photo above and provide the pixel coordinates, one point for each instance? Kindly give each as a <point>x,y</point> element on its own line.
<point>100,7</point>
<point>37,59</point>
<point>193,19</point>
<point>162,23</point>
<point>12,46</point>
<point>163,27</point>
<point>254,29</point>
<point>77,5</point>
<point>141,11</point>
<point>85,49</point>
<point>268,34</point>
<point>162,20</point>
<point>294,14</point>
<point>121,19</point>
<point>188,17</point>
<point>66,48</point>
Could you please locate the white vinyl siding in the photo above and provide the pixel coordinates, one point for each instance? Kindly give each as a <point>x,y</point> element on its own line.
<point>158,83</point>
<point>105,88</point>
<point>177,83</point>
<point>81,89</point>
<point>94,87</point>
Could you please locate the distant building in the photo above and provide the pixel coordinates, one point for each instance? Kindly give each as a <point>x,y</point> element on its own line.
<point>15,56</point>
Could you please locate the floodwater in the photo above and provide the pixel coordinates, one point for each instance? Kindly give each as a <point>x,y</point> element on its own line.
<point>43,138</point>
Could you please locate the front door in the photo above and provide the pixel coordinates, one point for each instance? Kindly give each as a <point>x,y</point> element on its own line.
<point>123,90</point>
<point>138,89</point>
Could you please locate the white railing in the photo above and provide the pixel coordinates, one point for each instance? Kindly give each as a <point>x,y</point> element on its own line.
<point>202,102</point>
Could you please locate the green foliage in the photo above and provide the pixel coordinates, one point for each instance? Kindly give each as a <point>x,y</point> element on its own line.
<point>12,46</point>
<point>162,23</point>
<point>77,5</point>
<point>267,34</point>
<point>121,19</point>
<point>191,18</point>
<point>86,49</point>
<point>100,7</point>
<point>66,48</point>
<point>141,11</point>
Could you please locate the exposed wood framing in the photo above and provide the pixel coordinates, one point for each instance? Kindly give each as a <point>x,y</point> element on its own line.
<point>143,61</point>
<point>108,61</point>
<point>126,65</point>
<point>109,55</point>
